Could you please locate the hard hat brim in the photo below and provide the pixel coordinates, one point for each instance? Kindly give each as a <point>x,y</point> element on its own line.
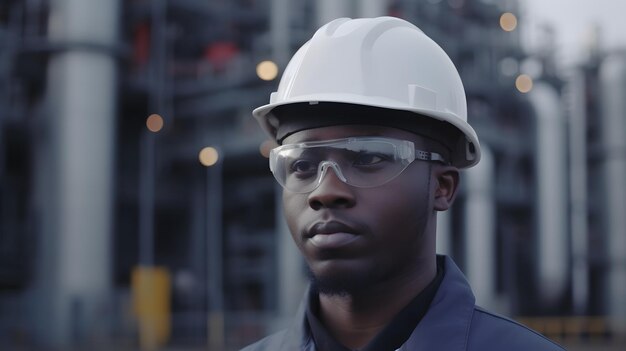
<point>262,113</point>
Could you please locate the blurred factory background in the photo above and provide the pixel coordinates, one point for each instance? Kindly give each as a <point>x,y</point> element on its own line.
<point>137,209</point>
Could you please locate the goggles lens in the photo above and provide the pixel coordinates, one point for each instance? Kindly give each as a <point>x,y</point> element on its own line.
<point>363,162</point>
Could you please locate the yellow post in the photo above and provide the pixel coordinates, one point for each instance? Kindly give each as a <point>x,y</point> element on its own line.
<point>151,291</point>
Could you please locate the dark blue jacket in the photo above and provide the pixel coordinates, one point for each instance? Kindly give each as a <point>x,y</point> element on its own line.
<point>453,323</point>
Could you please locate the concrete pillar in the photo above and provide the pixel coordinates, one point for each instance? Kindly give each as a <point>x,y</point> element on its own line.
<point>74,271</point>
<point>480,222</point>
<point>613,91</point>
<point>552,189</point>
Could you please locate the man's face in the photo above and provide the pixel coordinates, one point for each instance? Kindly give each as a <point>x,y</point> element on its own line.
<point>354,237</point>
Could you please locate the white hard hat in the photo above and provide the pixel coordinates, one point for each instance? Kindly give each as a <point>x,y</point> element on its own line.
<point>382,62</point>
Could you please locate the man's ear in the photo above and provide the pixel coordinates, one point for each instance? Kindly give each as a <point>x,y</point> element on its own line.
<point>446,187</point>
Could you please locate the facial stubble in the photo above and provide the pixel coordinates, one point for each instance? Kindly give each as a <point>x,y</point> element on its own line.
<point>355,282</point>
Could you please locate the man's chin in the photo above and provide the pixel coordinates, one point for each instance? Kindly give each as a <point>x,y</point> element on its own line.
<point>339,284</point>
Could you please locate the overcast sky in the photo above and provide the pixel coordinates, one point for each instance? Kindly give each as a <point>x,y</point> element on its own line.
<point>573,21</point>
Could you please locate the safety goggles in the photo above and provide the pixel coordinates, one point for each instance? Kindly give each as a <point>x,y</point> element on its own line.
<point>363,162</point>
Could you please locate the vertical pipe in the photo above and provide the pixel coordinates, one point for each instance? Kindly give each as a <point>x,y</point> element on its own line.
<point>328,10</point>
<point>147,139</point>
<point>290,285</point>
<point>215,257</point>
<point>576,100</point>
<point>158,53</point>
<point>551,192</point>
<point>291,278</point>
<point>146,199</point>
<point>279,28</point>
<point>75,273</point>
<point>613,130</point>
<point>197,244</point>
<point>480,223</point>
<point>372,8</point>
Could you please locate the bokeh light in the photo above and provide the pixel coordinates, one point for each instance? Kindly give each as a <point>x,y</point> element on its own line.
<point>208,156</point>
<point>266,147</point>
<point>154,122</point>
<point>524,83</point>
<point>267,70</point>
<point>508,22</point>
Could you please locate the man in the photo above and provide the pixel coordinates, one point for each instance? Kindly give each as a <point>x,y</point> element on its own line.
<point>371,115</point>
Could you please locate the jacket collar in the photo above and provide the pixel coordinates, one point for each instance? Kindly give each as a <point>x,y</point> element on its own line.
<point>446,324</point>
<point>444,327</point>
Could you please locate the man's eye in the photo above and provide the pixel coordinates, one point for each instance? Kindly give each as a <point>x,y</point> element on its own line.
<point>302,167</point>
<point>369,159</point>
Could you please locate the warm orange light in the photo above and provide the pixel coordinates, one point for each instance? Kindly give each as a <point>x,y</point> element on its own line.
<point>154,123</point>
<point>267,70</point>
<point>208,156</point>
<point>266,147</point>
<point>508,22</point>
<point>524,83</point>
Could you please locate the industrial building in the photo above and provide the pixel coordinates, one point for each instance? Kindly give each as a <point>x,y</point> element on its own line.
<point>105,107</point>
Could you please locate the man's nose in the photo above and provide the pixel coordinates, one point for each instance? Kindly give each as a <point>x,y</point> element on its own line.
<point>332,191</point>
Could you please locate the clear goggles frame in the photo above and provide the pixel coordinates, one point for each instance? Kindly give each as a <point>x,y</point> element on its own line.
<point>363,162</point>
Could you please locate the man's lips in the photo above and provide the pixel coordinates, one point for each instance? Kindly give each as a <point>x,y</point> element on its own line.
<point>331,235</point>
<point>330,227</point>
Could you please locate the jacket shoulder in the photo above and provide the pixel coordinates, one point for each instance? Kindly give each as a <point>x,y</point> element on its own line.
<point>490,331</point>
<point>269,343</point>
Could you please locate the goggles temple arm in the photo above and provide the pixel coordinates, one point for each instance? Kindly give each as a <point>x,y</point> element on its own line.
<point>429,156</point>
